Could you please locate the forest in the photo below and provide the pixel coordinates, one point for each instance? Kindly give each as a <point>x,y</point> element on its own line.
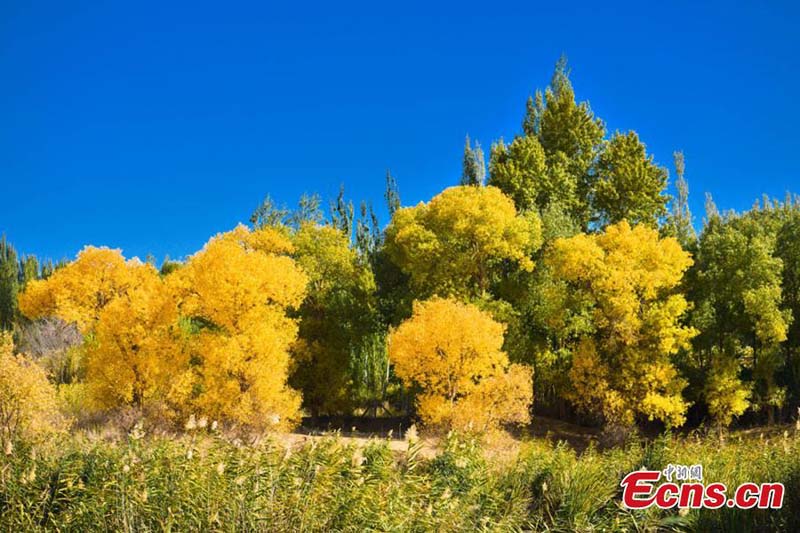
<point>557,283</point>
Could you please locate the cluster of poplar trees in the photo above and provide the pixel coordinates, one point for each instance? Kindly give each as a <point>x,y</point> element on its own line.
<point>592,288</point>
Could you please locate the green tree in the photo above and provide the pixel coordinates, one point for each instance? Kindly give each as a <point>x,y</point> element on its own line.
<point>336,315</point>
<point>392,194</point>
<point>570,135</point>
<point>368,236</point>
<point>267,214</point>
<point>737,295</point>
<point>342,214</point>
<point>29,269</point>
<point>339,317</point>
<point>787,248</point>
<point>546,317</point>
<point>372,378</point>
<point>630,186</point>
<point>474,168</point>
<point>308,211</point>
<point>9,284</point>
<point>679,223</point>
<point>522,171</point>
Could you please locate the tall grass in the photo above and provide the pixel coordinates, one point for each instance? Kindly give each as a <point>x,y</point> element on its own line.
<point>210,484</point>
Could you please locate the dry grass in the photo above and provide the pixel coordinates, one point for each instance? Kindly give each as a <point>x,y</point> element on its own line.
<point>205,481</point>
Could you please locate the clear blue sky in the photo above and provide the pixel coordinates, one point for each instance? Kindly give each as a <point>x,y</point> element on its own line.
<point>151,126</point>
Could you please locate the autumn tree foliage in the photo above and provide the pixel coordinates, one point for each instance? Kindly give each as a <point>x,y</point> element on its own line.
<point>627,277</point>
<point>135,351</point>
<point>451,353</point>
<point>235,294</point>
<point>459,242</point>
<point>211,337</point>
<point>128,319</point>
<point>566,261</point>
<point>79,292</point>
<point>28,401</point>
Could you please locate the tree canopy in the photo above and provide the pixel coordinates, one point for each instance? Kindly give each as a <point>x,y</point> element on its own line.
<point>569,275</point>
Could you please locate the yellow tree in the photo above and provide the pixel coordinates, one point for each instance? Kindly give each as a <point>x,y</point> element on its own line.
<point>28,403</point>
<point>452,354</point>
<point>627,278</point>
<point>236,293</point>
<point>459,242</point>
<point>128,318</point>
<point>79,292</point>
<point>136,350</point>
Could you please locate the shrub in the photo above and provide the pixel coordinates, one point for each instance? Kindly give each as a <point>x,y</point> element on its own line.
<point>28,402</point>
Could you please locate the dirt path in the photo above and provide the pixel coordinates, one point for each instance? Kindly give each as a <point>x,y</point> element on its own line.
<point>577,437</point>
<point>396,444</point>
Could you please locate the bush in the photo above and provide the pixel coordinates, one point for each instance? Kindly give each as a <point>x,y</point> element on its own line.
<point>28,401</point>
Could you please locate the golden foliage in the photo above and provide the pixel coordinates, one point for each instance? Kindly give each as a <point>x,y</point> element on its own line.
<point>454,244</point>
<point>627,276</point>
<point>28,401</point>
<point>135,352</point>
<point>213,336</point>
<point>128,317</point>
<point>325,255</point>
<point>725,394</point>
<point>237,291</point>
<point>78,292</point>
<point>453,353</point>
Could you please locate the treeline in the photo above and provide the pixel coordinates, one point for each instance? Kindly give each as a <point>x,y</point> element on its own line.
<point>565,275</point>
<point>15,271</point>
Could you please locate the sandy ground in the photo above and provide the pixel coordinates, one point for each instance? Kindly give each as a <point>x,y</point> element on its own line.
<point>430,445</point>
<point>504,444</point>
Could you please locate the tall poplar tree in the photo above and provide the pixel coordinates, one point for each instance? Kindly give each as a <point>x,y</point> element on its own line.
<point>474,166</point>
<point>9,284</point>
<point>553,161</point>
<point>679,221</point>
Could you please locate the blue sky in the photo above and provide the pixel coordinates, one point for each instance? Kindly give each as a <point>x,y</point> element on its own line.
<point>151,126</point>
